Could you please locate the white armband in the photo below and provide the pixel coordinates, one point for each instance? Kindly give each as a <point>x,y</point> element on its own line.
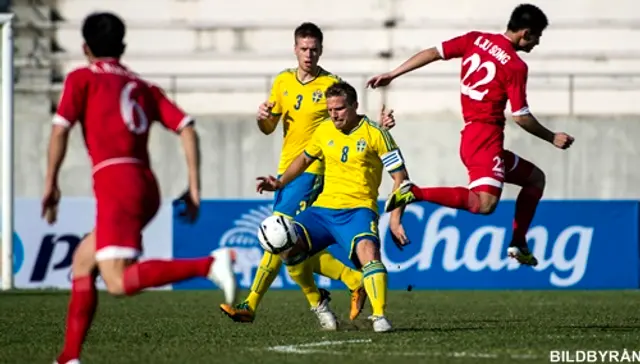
<point>392,160</point>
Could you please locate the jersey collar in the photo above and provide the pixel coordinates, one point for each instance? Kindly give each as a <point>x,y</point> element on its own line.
<point>362,121</point>
<point>311,80</point>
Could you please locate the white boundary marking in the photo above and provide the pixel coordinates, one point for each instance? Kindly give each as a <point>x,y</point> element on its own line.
<point>319,347</point>
<point>301,348</point>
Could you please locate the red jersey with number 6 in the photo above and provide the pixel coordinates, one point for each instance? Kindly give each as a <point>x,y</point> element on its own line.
<point>492,73</point>
<point>115,108</point>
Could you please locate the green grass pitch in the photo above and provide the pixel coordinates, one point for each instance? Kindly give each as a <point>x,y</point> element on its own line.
<point>431,327</point>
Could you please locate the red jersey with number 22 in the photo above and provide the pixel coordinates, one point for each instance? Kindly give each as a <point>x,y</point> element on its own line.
<point>492,73</point>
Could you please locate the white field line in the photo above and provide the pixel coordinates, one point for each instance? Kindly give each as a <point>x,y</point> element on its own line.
<point>319,347</point>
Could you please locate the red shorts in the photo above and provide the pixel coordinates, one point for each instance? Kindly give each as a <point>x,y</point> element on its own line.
<point>488,164</point>
<point>127,198</point>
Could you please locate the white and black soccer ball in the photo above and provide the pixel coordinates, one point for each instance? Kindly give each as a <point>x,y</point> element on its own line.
<point>277,234</point>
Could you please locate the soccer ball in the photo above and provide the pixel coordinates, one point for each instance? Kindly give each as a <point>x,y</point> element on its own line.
<point>277,234</point>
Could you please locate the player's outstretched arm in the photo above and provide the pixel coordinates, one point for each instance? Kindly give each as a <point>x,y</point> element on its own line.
<point>420,59</point>
<point>529,123</point>
<point>58,142</point>
<point>299,165</point>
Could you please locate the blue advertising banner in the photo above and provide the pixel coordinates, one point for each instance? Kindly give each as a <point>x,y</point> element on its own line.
<point>579,245</point>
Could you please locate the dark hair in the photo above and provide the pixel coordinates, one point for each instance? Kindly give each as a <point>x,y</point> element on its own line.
<point>343,89</point>
<point>528,16</point>
<point>104,34</point>
<point>308,30</point>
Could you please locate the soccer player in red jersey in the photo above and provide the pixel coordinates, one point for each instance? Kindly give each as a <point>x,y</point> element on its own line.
<point>115,109</point>
<point>492,73</point>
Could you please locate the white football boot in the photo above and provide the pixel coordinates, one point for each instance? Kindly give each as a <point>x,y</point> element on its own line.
<point>221,273</point>
<point>327,318</point>
<point>74,361</point>
<point>380,323</point>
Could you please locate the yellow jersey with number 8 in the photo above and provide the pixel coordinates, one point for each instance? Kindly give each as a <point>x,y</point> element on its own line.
<point>301,107</point>
<point>354,163</point>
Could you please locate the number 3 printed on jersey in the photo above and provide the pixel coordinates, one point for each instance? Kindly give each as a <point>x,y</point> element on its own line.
<point>128,106</point>
<point>476,65</point>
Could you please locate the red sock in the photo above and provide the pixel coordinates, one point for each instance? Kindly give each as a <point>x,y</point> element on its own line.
<point>526,205</point>
<point>456,197</point>
<point>157,273</point>
<point>82,308</point>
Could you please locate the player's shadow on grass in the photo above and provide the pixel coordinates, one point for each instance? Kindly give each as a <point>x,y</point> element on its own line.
<point>600,327</point>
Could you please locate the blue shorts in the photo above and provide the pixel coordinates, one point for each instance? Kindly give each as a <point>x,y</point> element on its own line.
<point>298,194</point>
<point>322,227</point>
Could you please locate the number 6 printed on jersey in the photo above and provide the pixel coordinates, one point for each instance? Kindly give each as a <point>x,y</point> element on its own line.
<point>128,106</point>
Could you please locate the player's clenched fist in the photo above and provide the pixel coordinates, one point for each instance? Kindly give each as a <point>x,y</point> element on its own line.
<point>562,140</point>
<point>264,110</point>
<point>387,120</point>
<point>269,183</point>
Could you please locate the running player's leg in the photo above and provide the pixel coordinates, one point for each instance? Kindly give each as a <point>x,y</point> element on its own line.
<point>83,300</point>
<point>126,205</point>
<point>312,227</point>
<point>525,174</point>
<point>481,153</point>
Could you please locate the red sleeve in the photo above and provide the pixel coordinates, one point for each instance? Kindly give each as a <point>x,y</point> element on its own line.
<point>168,113</point>
<point>455,47</point>
<point>517,91</point>
<point>72,100</point>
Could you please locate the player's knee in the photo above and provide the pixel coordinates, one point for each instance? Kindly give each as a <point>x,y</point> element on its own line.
<point>538,178</point>
<point>367,250</point>
<point>487,204</point>
<point>115,285</point>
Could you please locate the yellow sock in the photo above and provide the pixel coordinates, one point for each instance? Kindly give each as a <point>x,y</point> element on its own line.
<point>325,264</point>
<point>302,274</point>
<point>375,283</point>
<point>267,272</point>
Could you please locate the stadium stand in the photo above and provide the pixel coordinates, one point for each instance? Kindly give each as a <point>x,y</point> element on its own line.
<point>228,51</point>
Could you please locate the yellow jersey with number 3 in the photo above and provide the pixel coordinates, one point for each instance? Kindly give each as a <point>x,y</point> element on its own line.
<point>301,106</point>
<point>354,163</point>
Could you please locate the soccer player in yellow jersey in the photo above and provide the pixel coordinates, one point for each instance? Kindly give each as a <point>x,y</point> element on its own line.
<point>355,152</point>
<point>298,99</point>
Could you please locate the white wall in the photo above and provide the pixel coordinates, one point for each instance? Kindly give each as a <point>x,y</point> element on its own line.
<point>602,163</point>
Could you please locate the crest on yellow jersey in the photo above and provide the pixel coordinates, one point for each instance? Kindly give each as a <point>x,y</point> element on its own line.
<point>317,96</point>
<point>360,145</point>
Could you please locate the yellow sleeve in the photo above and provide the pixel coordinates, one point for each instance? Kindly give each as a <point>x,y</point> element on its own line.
<point>389,152</point>
<point>314,149</point>
<point>274,96</point>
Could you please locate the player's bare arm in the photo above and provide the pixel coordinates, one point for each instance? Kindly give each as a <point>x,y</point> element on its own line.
<point>191,146</point>
<point>267,122</point>
<point>418,60</point>
<point>395,219</point>
<point>57,150</point>
<point>529,123</point>
<point>296,168</point>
